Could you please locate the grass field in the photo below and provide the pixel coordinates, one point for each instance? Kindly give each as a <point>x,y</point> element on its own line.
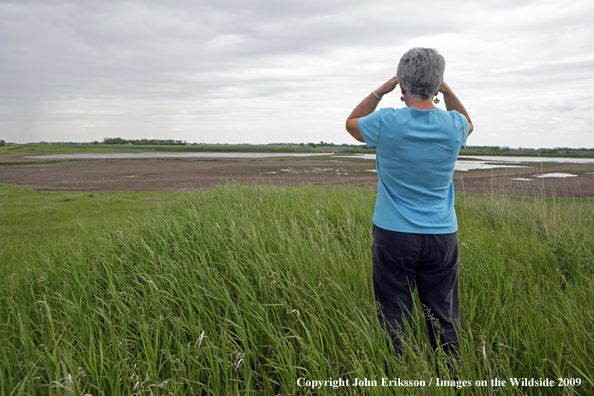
<point>529,153</point>
<point>245,290</point>
<point>33,220</point>
<point>36,148</point>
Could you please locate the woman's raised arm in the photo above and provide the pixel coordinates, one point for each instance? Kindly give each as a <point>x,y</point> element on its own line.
<point>453,103</point>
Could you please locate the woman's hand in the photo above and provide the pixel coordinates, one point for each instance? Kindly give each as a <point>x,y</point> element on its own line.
<point>388,86</point>
<point>367,106</point>
<point>444,88</point>
<point>453,103</point>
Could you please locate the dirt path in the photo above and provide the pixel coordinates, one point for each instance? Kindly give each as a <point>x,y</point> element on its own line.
<point>197,174</point>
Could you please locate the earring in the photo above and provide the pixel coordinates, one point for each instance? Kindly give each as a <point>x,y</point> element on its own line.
<point>436,101</point>
<point>402,98</point>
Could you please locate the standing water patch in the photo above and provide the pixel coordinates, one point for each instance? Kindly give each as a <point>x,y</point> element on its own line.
<point>546,175</point>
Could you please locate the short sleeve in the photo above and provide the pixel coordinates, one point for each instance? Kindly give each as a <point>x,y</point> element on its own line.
<point>370,128</point>
<point>462,124</point>
<point>466,130</point>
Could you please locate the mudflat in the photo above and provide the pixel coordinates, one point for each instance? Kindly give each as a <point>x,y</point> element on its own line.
<point>197,174</point>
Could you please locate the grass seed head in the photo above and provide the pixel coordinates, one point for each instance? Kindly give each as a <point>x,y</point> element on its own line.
<point>152,284</point>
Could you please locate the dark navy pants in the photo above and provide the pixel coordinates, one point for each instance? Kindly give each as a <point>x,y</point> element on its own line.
<point>429,263</point>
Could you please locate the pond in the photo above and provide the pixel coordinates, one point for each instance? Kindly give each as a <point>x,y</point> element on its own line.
<point>464,163</point>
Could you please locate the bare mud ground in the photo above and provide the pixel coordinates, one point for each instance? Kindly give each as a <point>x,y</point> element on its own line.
<point>200,174</point>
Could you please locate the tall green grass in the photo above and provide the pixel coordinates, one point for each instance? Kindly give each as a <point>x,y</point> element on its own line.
<point>244,290</point>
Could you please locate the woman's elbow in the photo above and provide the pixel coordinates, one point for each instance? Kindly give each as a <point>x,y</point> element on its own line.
<point>352,127</point>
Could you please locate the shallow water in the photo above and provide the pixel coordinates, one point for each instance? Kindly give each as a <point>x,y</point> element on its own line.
<point>461,165</point>
<point>464,163</point>
<point>471,165</point>
<point>531,159</point>
<point>548,175</point>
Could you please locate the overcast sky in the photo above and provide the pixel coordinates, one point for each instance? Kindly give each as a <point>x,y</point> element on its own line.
<point>263,71</point>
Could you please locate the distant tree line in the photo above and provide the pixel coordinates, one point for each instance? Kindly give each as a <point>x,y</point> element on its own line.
<point>573,149</point>
<point>488,148</point>
<point>2,143</point>
<point>152,142</point>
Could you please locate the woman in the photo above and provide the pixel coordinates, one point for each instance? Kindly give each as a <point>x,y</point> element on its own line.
<point>415,240</point>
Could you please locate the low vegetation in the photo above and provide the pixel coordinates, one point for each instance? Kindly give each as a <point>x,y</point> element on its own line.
<point>145,142</point>
<point>569,153</point>
<point>245,290</point>
<point>32,220</point>
<point>121,145</point>
<point>38,148</point>
<point>496,151</point>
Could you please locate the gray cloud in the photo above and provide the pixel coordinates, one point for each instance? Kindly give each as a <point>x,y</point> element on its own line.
<point>240,70</point>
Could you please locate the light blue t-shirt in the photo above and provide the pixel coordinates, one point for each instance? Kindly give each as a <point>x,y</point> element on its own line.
<point>416,153</point>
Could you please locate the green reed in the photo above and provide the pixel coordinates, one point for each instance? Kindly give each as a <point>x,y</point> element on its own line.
<point>247,289</point>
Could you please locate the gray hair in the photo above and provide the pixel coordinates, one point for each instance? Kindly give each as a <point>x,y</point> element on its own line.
<point>420,72</point>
